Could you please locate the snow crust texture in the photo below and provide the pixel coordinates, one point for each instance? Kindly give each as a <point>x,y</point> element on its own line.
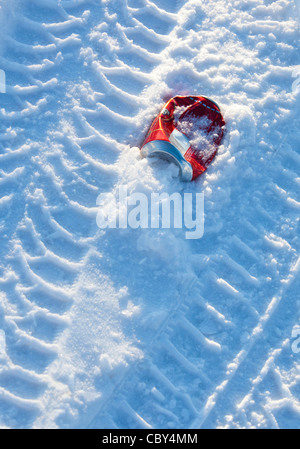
<point>141,328</point>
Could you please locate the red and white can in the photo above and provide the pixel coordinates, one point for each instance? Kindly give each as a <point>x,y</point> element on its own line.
<point>165,136</point>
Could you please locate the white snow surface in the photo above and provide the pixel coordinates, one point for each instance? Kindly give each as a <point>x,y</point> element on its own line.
<point>142,328</point>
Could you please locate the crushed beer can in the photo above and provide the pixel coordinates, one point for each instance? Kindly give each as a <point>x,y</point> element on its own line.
<point>170,134</point>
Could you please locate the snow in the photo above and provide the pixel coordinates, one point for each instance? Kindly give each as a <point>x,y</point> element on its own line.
<point>144,328</point>
<point>195,129</point>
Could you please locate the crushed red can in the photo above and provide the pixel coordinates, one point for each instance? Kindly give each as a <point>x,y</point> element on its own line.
<point>173,134</point>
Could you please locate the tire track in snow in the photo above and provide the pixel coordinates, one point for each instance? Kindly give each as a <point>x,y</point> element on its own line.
<point>48,246</point>
<point>246,360</point>
<point>43,257</point>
